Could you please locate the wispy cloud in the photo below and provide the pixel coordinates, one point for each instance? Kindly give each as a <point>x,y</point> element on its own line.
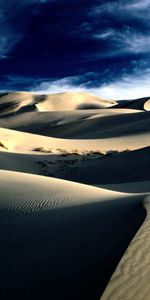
<point>138,5</point>
<point>59,86</point>
<point>10,34</point>
<point>8,40</point>
<point>131,41</point>
<point>119,6</point>
<point>128,87</point>
<point>107,7</point>
<point>104,34</point>
<point>124,41</point>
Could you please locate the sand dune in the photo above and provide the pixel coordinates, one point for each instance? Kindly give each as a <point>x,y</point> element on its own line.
<point>102,123</point>
<point>128,187</point>
<point>71,101</point>
<point>56,233</point>
<point>59,236</point>
<point>147,105</point>
<point>59,123</point>
<point>47,193</point>
<point>19,102</point>
<point>139,104</point>
<point>131,278</point>
<point>12,102</point>
<point>112,168</point>
<point>26,142</point>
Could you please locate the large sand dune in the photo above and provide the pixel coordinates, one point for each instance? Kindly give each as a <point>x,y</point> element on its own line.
<point>19,102</point>
<point>69,123</point>
<point>71,101</point>
<point>80,124</point>
<point>59,236</point>
<point>26,142</point>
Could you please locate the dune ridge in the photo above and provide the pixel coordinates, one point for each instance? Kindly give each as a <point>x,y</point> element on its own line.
<point>46,192</point>
<point>71,101</point>
<point>131,278</point>
<point>139,104</point>
<point>19,102</point>
<point>13,102</point>
<point>26,142</point>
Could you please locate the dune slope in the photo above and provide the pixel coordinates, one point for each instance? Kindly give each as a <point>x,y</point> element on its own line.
<point>76,123</point>
<point>12,102</point>
<point>56,236</point>
<point>94,169</point>
<point>139,104</point>
<point>111,168</point>
<point>72,101</point>
<point>27,142</point>
<point>131,278</point>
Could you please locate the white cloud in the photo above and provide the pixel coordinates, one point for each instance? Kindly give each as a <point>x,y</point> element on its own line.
<point>138,5</point>
<point>106,34</point>
<point>131,6</point>
<point>138,43</point>
<point>129,87</point>
<point>125,40</point>
<point>58,86</point>
<point>132,42</point>
<point>108,7</point>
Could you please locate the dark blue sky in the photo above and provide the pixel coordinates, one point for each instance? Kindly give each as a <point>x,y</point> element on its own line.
<point>58,45</point>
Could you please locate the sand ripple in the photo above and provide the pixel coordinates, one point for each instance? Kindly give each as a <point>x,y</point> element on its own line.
<point>132,276</point>
<point>23,193</point>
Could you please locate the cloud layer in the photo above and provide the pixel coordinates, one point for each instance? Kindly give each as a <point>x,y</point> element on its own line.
<point>62,44</point>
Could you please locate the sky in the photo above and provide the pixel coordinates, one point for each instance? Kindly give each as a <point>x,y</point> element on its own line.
<point>52,46</point>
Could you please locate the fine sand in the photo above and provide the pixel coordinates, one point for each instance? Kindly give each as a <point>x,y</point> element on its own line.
<point>131,277</point>
<point>74,197</point>
<point>59,233</point>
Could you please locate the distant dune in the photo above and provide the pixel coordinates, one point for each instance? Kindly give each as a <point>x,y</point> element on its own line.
<point>147,105</point>
<point>74,197</point>
<point>72,101</point>
<point>139,104</point>
<point>79,123</point>
<point>14,102</point>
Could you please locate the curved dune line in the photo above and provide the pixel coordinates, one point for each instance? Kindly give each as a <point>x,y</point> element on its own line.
<point>27,142</point>
<point>72,101</point>
<point>147,105</point>
<point>132,275</point>
<point>22,193</point>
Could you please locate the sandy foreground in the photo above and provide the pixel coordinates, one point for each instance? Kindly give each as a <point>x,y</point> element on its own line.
<point>74,197</point>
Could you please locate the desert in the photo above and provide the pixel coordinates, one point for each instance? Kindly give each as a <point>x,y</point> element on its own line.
<point>74,197</point>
